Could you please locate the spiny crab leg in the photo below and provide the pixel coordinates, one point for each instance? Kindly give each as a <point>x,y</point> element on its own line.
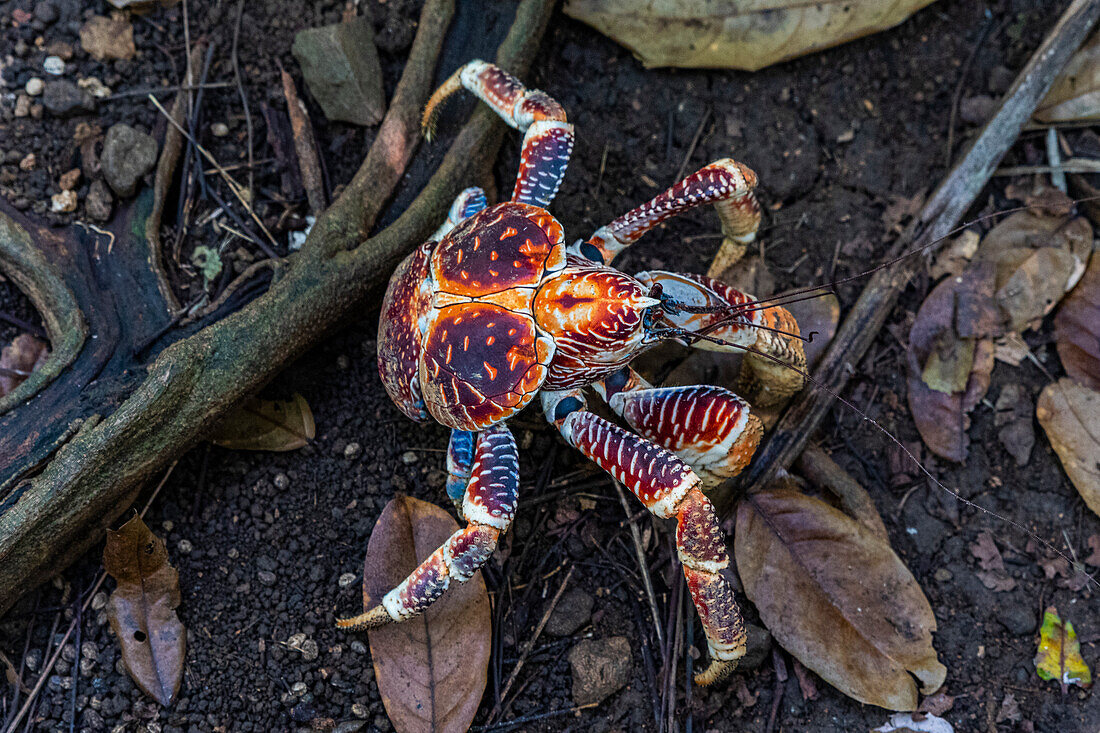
<point>465,205</point>
<point>709,428</point>
<point>725,183</point>
<point>548,139</point>
<point>669,488</point>
<point>488,507</point>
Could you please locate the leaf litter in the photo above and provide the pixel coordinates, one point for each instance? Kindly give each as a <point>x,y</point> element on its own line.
<point>1059,655</point>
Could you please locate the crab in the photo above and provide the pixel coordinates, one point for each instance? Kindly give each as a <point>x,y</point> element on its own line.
<point>496,310</point>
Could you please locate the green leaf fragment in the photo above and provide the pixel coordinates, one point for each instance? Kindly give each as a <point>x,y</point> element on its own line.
<point>1059,656</point>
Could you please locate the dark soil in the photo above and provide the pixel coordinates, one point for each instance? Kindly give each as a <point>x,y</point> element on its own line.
<point>260,539</point>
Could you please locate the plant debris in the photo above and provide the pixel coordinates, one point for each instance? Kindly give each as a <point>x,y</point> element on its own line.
<point>1059,654</point>
<point>275,425</point>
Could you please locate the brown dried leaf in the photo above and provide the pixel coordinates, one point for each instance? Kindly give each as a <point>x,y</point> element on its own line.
<point>942,417</point>
<point>275,425</point>
<point>1075,94</point>
<point>19,359</point>
<point>142,609</point>
<point>1070,416</point>
<point>431,670</point>
<point>863,632</point>
<point>108,38</point>
<point>749,35</point>
<point>1077,328</point>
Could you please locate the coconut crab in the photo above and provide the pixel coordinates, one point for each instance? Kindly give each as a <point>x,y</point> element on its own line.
<point>495,309</point>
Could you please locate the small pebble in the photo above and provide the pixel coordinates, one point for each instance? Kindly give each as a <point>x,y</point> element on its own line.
<point>68,181</point>
<point>299,688</point>
<point>409,457</point>
<point>358,647</point>
<point>352,450</point>
<point>22,106</point>
<point>219,129</point>
<point>266,577</point>
<point>168,525</point>
<point>360,710</point>
<point>282,482</point>
<point>88,650</point>
<point>28,162</point>
<point>54,65</point>
<point>64,202</point>
<point>943,575</point>
<point>310,650</point>
<point>185,547</point>
<point>346,579</point>
<point>34,86</point>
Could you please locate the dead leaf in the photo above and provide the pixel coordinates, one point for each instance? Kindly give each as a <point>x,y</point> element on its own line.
<point>863,632</point>
<point>953,258</point>
<point>1059,654</point>
<point>746,35</point>
<point>432,669</point>
<point>937,704</point>
<point>1070,416</point>
<point>992,574</point>
<point>142,609</point>
<point>1012,418</point>
<point>818,316</point>
<point>12,674</point>
<point>1094,545</point>
<point>19,359</point>
<point>1077,328</point>
<point>108,38</point>
<point>915,723</point>
<point>275,425</point>
<point>1075,94</point>
<point>942,417</point>
<point>1010,709</point>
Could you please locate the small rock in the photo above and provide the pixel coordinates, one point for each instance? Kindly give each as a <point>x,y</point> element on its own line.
<point>64,202</point>
<point>943,575</point>
<point>108,38</point>
<point>573,611</point>
<point>352,450</point>
<point>266,577</point>
<point>977,109</point>
<point>282,483</point>
<point>358,647</point>
<point>299,688</point>
<point>99,202</point>
<point>95,87</point>
<point>409,457</point>
<point>22,106</point>
<point>68,181</point>
<point>1017,618</point>
<point>34,86</point>
<point>349,726</point>
<point>758,647</point>
<point>303,712</point>
<point>99,601</point>
<point>185,547</point>
<point>46,12</point>
<point>54,65</point>
<point>88,650</point>
<point>360,710</point>
<point>600,667</point>
<point>28,162</point>
<point>310,650</point>
<point>1013,417</point>
<point>219,129</point>
<point>62,50</point>
<point>62,98</point>
<point>341,70</point>
<point>346,580</point>
<point>128,154</point>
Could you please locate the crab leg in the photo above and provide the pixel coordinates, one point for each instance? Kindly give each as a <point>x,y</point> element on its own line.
<point>548,138</point>
<point>488,506</point>
<point>669,488</point>
<point>465,205</point>
<point>709,428</point>
<point>725,183</point>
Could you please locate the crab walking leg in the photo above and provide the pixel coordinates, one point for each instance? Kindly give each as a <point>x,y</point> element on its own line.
<point>548,138</point>
<point>725,183</point>
<point>465,205</point>
<point>488,507</point>
<point>709,428</point>
<point>668,488</point>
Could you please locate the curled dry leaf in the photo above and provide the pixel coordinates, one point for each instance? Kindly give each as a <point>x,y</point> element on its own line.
<point>1070,416</point>
<point>275,425</point>
<point>1059,655</point>
<point>867,633</point>
<point>19,359</point>
<point>431,670</point>
<point>142,609</point>
<point>750,34</point>
<point>1077,328</point>
<point>948,374</point>
<point>1075,94</point>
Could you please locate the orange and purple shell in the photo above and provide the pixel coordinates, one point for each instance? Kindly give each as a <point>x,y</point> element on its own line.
<point>483,356</point>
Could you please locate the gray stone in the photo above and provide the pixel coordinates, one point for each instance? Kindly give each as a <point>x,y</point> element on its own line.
<point>128,154</point>
<point>600,667</point>
<point>1017,618</point>
<point>758,647</point>
<point>99,201</point>
<point>573,611</point>
<point>62,98</point>
<point>341,70</point>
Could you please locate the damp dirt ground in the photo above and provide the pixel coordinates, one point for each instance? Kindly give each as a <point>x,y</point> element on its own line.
<point>841,140</point>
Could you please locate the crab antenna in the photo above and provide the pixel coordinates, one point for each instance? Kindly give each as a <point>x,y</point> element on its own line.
<point>435,102</point>
<point>683,333</point>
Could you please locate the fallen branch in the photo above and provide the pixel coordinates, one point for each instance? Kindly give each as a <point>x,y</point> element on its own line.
<point>68,472</point>
<point>940,214</point>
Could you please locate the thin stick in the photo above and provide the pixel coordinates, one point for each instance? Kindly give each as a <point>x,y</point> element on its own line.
<point>233,185</point>
<point>309,163</point>
<point>1073,165</point>
<point>940,213</point>
<point>643,565</point>
<point>240,92</point>
<point>497,709</point>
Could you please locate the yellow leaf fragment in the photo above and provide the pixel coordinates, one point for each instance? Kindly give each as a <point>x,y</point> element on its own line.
<point>1059,656</point>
